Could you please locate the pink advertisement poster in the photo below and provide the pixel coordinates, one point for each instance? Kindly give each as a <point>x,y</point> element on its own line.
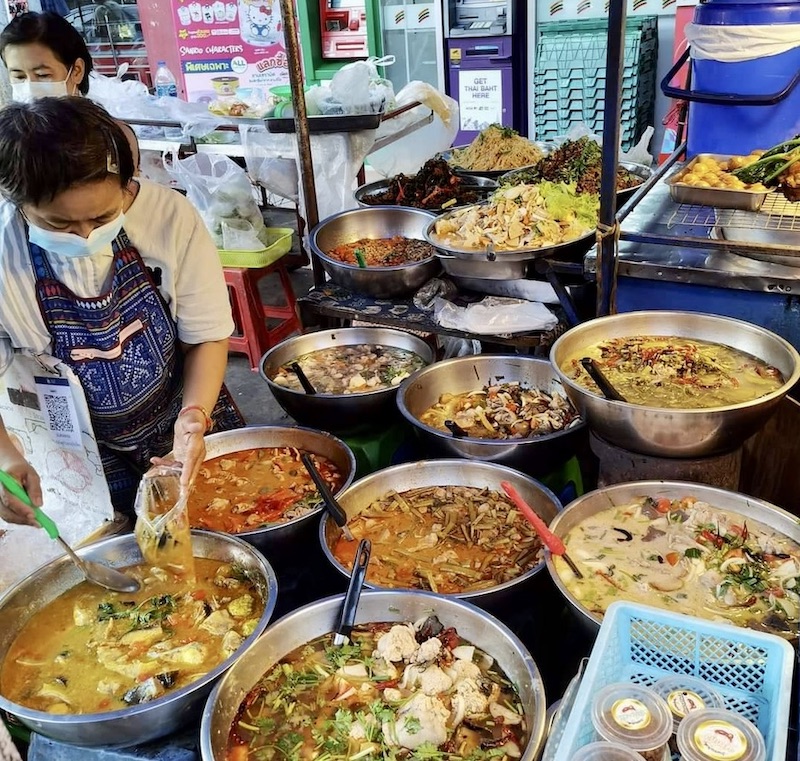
<point>226,44</point>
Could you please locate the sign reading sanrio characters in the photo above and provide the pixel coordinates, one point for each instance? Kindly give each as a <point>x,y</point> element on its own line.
<point>225,45</point>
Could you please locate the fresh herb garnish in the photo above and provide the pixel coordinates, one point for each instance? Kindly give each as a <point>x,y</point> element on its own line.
<point>146,614</point>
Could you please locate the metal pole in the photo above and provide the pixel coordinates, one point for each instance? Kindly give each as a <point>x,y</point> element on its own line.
<point>301,125</point>
<point>607,244</point>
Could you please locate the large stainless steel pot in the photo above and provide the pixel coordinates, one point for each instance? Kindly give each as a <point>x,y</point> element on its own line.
<point>319,618</point>
<point>338,412</point>
<point>147,721</point>
<point>676,433</point>
<point>277,537</point>
<point>537,456</point>
<point>622,494</point>
<point>374,222</point>
<point>444,473</point>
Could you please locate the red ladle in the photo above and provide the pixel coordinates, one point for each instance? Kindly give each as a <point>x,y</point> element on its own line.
<point>550,540</point>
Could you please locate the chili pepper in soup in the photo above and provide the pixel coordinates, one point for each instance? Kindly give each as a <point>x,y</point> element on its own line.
<point>245,490</point>
<point>397,691</point>
<point>352,369</point>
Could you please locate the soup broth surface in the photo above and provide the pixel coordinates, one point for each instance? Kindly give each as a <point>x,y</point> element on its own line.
<point>679,373</point>
<point>92,650</point>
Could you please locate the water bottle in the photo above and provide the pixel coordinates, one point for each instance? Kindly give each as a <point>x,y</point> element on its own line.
<point>165,82</point>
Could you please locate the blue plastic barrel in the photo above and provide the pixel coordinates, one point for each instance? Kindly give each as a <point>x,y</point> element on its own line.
<point>739,107</point>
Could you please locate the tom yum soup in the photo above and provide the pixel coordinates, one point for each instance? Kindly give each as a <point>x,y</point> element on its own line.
<point>245,490</point>
<point>91,650</point>
<point>448,539</point>
<point>351,369</point>
<point>681,373</point>
<point>411,691</point>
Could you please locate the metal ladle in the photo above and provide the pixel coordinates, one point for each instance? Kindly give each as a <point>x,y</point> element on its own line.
<point>335,510</point>
<point>347,617</point>
<point>97,573</point>
<point>603,383</point>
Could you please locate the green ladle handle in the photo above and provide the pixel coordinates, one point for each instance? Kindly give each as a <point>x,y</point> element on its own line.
<point>16,489</point>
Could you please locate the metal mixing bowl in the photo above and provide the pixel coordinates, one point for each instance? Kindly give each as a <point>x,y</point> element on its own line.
<point>374,222</point>
<point>278,537</point>
<point>415,475</point>
<point>481,185</point>
<point>339,412</point>
<point>622,494</point>
<point>537,456</point>
<point>319,618</point>
<point>678,433</point>
<point>147,721</point>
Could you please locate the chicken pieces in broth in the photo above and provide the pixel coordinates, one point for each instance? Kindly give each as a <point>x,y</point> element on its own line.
<point>398,691</point>
<point>91,650</point>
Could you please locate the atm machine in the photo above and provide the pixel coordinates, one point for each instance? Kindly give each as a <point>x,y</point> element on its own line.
<point>343,26</point>
<point>486,62</point>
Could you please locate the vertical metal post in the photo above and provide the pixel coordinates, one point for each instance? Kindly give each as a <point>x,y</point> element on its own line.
<point>301,125</point>
<point>607,245</point>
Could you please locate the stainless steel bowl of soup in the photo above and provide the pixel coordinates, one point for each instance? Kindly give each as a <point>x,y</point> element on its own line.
<point>695,384</point>
<point>444,526</point>
<point>91,667</point>
<point>684,547</point>
<point>398,627</point>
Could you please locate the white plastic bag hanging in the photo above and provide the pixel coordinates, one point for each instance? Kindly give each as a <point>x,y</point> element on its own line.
<point>222,193</point>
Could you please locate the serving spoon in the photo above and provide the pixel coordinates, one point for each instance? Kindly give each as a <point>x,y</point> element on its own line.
<point>97,573</point>
<point>347,617</point>
<point>335,510</point>
<point>603,383</point>
<point>308,387</point>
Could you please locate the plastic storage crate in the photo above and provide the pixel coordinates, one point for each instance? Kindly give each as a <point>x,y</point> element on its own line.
<point>752,671</point>
<point>570,75</point>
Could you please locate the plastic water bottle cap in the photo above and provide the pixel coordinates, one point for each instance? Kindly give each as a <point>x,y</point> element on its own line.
<point>162,63</point>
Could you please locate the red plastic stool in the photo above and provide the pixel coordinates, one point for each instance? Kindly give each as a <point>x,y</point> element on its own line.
<point>253,337</point>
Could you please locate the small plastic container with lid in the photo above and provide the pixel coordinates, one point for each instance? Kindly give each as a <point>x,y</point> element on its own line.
<point>685,694</point>
<point>633,716</point>
<point>605,751</point>
<point>714,734</point>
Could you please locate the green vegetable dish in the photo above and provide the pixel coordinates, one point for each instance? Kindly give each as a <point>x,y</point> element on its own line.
<point>399,691</point>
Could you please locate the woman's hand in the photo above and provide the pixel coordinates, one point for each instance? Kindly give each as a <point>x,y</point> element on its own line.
<point>189,446</point>
<point>11,509</point>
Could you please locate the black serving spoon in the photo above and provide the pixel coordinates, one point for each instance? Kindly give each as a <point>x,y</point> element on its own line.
<point>335,510</point>
<point>347,617</point>
<point>303,378</point>
<point>599,377</point>
<point>454,428</point>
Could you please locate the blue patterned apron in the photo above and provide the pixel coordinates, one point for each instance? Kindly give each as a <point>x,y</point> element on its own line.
<point>123,347</point>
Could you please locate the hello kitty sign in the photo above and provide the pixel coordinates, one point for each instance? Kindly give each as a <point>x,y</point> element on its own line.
<point>260,22</point>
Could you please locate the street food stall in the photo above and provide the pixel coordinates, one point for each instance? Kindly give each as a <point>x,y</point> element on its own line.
<point>563,554</point>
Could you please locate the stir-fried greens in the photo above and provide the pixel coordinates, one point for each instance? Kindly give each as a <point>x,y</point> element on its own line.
<point>688,556</point>
<point>668,371</point>
<point>91,650</point>
<point>397,692</point>
<point>502,411</point>
<point>448,539</point>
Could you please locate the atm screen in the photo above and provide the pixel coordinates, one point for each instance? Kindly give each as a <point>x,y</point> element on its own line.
<point>339,4</point>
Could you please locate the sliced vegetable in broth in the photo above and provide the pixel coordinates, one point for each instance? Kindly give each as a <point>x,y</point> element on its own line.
<point>399,691</point>
<point>245,490</point>
<point>689,557</point>
<point>91,650</point>
<point>449,539</point>
<point>502,411</point>
<point>680,373</point>
<point>352,369</point>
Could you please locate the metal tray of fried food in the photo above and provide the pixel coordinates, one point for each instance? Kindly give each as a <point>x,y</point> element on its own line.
<point>719,198</point>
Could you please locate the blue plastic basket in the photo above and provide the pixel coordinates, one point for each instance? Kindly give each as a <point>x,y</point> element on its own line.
<point>752,671</point>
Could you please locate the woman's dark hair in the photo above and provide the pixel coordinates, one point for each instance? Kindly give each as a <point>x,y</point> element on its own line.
<point>53,144</point>
<point>54,32</point>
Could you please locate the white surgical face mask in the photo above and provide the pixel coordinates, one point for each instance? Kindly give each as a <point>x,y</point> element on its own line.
<point>72,245</point>
<point>27,91</point>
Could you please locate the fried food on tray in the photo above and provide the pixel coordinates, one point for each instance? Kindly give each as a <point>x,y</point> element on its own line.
<point>708,172</point>
<point>521,216</point>
<point>496,148</point>
<point>435,186</point>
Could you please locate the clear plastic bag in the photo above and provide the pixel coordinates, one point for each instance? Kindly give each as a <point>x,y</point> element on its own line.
<point>495,315</point>
<point>221,191</point>
<point>162,529</point>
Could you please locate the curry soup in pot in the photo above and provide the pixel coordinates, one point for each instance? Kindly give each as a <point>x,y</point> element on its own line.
<point>91,650</point>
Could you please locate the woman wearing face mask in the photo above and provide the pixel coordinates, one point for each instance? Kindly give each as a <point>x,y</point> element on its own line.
<point>118,280</point>
<point>47,57</point>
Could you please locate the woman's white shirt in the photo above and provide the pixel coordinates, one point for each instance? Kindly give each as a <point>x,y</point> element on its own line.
<point>168,233</point>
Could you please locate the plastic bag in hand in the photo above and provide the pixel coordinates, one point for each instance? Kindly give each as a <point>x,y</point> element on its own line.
<point>162,522</point>
<point>221,191</point>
